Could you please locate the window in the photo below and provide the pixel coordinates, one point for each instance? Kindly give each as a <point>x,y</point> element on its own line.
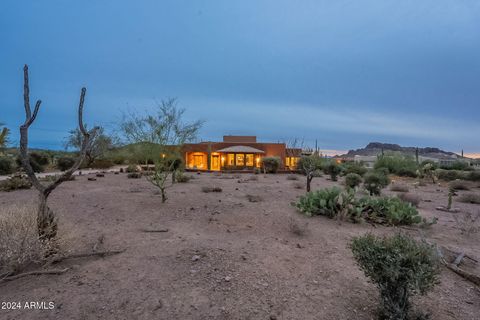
<point>240,159</point>
<point>230,159</point>
<point>291,162</point>
<point>249,160</point>
<point>198,161</point>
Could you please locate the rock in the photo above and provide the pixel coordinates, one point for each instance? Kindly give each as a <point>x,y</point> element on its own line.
<point>273,317</point>
<point>100,175</point>
<point>196,257</point>
<point>228,278</point>
<point>92,179</point>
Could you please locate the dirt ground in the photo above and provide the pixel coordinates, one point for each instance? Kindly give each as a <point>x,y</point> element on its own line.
<point>223,256</point>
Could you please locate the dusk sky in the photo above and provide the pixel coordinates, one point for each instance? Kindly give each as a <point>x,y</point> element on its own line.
<point>343,72</point>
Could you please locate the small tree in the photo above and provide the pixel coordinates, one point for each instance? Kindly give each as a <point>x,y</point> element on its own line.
<point>162,135</point>
<point>400,267</point>
<point>375,181</point>
<point>98,145</point>
<point>352,180</point>
<point>271,164</point>
<point>46,219</point>
<point>3,136</point>
<point>310,166</point>
<point>333,169</point>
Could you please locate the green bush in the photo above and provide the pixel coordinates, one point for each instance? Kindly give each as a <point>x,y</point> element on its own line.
<point>102,164</point>
<point>375,181</point>
<point>474,175</point>
<point>182,177</point>
<point>353,167</point>
<point>388,210</point>
<point>400,267</point>
<point>65,163</point>
<point>399,165</point>
<point>40,158</point>
<point>271,164</point>
<point>131,168</point>
<point>353,180</point>
<point>6,166</point>
<point>333,169</point>
<point>35,165</point>
<point>450,175</point>
<point>457,165</point>
<point>15,183</point>
<point>322,202</point>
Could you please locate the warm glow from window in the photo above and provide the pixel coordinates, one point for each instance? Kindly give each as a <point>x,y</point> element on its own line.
<point>249,158</point>
<point>230,159</point>
<point>240,161</point>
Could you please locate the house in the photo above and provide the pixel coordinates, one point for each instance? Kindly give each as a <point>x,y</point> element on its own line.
<point>237,153</point>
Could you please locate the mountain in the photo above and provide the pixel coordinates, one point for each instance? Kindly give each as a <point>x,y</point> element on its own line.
<point>375,148</point>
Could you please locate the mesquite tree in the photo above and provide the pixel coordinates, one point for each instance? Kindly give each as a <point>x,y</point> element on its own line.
<point>310,166</point>
<point>162,136</point>
<point>46,220</point>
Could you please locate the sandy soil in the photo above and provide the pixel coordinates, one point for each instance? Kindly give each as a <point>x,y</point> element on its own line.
<point>223,256</point>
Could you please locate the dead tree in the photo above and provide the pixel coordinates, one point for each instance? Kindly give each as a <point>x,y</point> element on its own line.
<point>46,220</point>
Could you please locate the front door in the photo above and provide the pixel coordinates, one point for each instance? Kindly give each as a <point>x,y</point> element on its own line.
<point>215,162</point>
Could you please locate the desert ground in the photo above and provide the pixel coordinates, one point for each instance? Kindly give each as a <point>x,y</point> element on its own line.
<point>223,257</point>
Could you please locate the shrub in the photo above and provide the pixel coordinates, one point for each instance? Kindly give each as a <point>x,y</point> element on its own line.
<point>389,210</point>
<point>450,175</point>
<point>101,164</point>
<point>296,227</point>
<point>469,198</point>
<point>399,165</point>
<point>15,183</point>
<point>353,180</point>
<point>40,158</point>
<point>271,164</point>
<point>410,198</point>
<point>322,202</point>
<point>400,267</point>
<point>474,176</point>
<point>457,165</point>
<point>182,177</point>
<point>292,177</point>
<point>20,246</point>
<point>353,167</point>
<point>208,189</point>
<point>134,175</point>
<point>35,165</point>
<point>6,166</point>
<point>131,168</point>
<point>254,198</point>
<point>298,185</point>
<point>399,187</point>
<point>65,163</point>
<point>333,169</point>
<point>375,181</point>
<point>459,185</point>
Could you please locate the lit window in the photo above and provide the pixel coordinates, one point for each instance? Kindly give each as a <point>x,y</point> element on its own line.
<point>249,158</point>
<point>230,159</point>
<point>240,161</point>
<point>287,161</point>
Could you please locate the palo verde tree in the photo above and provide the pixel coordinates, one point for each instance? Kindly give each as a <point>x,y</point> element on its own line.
<point>310,166</point>
<point>162,136</point>
<point>99,143</point>
<point>46,220</point>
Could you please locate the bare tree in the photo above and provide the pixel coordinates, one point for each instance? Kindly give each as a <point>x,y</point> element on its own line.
<point>310,166</point>
<point>162,136</point>
<point>98,145</point>
<point>46,220</point>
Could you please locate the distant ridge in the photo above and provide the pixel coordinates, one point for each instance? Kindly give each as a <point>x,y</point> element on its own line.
<point>375,148</point>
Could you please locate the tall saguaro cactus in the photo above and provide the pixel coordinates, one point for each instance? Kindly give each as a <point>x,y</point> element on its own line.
<point>46,220</point>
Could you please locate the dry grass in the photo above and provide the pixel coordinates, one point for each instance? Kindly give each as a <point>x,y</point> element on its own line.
<point>399,187</point>
<point>254,198</point>
<point>292,177</point>
<point>459,185</point>
<point>469,198</point>
<point>410,198</point>
<point>299,185</point>
<point>19,243</point>
<point>296,227</point>
<point>208,189</point>
<point>468,222</point>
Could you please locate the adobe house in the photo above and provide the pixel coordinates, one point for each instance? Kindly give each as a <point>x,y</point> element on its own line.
<point>237,153</point>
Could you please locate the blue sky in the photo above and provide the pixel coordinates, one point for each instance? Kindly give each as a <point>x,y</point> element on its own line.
<point>343,72</point>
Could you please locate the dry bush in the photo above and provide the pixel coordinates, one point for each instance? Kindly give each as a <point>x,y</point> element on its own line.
<point>292,177</point>
<point>208,189</point>
<point>182,177</point>
<point>399,187</point>
<point>296,227</point>
<point>20,246</point>
<point>15,183</point>
<point>298,185</point>
<point>254,198</point>
<point>134,175</point>
<point>469,198</point>
<point>410,198</point>
<point>459,185</point>
<point>468,222</point>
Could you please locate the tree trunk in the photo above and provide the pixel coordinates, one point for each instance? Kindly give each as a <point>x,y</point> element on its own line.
<point>46,220</point>
<point>164,195</point>
<point>309,180</point>
<point>174,176</point>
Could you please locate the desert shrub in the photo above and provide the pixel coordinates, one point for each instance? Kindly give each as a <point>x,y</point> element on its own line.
<point>40,158</point>
<point>16,182</point>
<point>333,169</point>
<point>459,185</point>
<point>353,180</point>
<point>182,177</point>
<point>399,165</point>
<point>398,187</point>
<point>102,164</point>
<point>375,181</point>
<point>457,165</point>
<point>131,168</point>
<point>208,189</point>
<point>35,165</point>
<point>271,164</point>
<point>389,210</point>
<point>450,175</point>
<point>298,185</point>
<point>19,243</point>
<point>324,202</point>
<point>65,163</point>
<point>353,167</point>
<point>410,198</point>
<point>469,198</point>
<point>6,166</point>
<point>292,177</point>
<point>400,267</point>
<point>254,198</point>
<point>134,175</point>
<point>296,227</point>
<point>474,175</point>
